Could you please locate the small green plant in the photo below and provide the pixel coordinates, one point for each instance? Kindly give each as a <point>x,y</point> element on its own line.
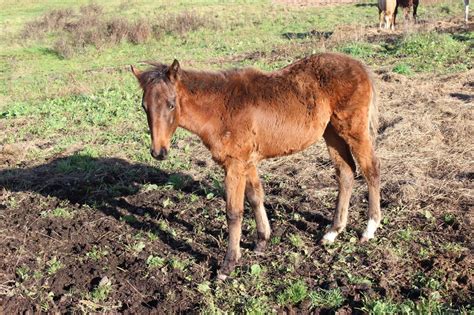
<point>96,253</point>
<point>256,270</point>
<point>331,298</point>
<point>293,294</point>
<point>449,218</point>
<point>257,306</point>
<point>136,247</point>
<point>204,287</point>
<point>358,49</point>
<point>155,262</point>
<point>381,307</point>
<point>22,272</point>
<point>57,213</point>
<point>53,266</point>
<point>406,234</point>
<point>178,264</point>
<point>275,240</point>
<point>402,68</point>
<point>102,291</point>
<point>296,240</point>
<point>129,218</point>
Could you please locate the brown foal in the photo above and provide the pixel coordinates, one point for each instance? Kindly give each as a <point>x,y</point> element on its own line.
<point>244,116</point>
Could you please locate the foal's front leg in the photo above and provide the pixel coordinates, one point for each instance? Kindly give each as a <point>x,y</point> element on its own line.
<point>254,194</point>
<point>234,189</point>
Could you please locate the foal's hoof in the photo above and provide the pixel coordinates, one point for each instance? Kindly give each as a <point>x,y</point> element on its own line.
<point>328,238</point>
<point>364,239</point>
<point>260,247</point>
<point>221,276</point>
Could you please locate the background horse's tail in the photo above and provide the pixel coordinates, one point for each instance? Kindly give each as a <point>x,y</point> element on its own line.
<point>373,111</point>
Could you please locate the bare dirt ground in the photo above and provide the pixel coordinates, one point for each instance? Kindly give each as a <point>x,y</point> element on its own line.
<point>425,145</point>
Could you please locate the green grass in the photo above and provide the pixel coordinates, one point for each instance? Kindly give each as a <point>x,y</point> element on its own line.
<point>293,294</point>
<point>330,299</point>
<point>423,306</point>
<point>53,266</point>
<point>58,213</point>
<point>97,253</point>
<point>155,262</point>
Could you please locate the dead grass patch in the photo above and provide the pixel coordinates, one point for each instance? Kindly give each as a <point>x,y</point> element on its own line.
<point>88,27</point>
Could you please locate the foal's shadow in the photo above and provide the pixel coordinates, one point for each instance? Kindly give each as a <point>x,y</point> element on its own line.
<point>103,183</point>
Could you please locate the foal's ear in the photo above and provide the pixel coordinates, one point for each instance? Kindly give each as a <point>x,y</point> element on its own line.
<point>136,72</point>
<point>174,70</point>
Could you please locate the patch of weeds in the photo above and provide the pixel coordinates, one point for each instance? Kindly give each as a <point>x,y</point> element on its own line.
<point>453,247</point>
<point>179,264</point>
<point>256,270</point>
<point>97,253</point>
<point>381,307</point>
<point>433,52</point>
<point>176,181</point>
<point>155,262</point>
<point>102,291</point>
<point>204,287</point>
<point>449,218</point>
<point>402,68</point>
<point>275,240</point>
<point>193,198</point>
<point>57,213</point>
<point>129,218</point>
<point>407,234</point>
<point>296,241</point>
<point>293,294</point>
<point>136,247</point>
<point>422,306</point>
<point>163,226</point>
<point>332,298</point>
<point>167,202</point>
<point>53,266</point>
<point>358,49</point>
<point>256,306</point>
<point>22,272</point>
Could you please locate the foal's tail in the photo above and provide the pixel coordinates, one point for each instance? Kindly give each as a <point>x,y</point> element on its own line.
<point>373,111</point>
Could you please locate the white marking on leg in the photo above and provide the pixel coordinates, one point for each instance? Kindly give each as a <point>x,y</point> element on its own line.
<point>372,225</point>
<point>330,236</point>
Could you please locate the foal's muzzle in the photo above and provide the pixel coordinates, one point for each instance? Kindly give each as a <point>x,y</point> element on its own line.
<point>163,154</point>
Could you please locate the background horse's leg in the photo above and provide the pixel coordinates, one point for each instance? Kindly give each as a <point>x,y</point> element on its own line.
<point>234,189</point>
<point>254,193</point>
<point>415,8</point>
<point>466,10</point>
<point>345,168</point>
<point>364,153</point>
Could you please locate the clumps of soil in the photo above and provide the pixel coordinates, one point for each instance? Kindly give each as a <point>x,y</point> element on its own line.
<point>90,27</point>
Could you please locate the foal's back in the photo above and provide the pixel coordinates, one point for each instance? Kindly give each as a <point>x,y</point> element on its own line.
<point>285,111</point>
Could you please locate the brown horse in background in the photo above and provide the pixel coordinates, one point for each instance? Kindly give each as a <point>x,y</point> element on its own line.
<point>244,116</point>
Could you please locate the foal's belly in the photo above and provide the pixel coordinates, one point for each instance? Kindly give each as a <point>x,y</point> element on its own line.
<point>287,139</point>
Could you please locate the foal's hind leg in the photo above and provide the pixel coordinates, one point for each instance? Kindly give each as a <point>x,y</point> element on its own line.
<point>363,151</point>
<point>345,168</point>
<point>254,194</point>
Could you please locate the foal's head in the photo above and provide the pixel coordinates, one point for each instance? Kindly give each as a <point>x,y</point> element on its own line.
<point>161,104</point>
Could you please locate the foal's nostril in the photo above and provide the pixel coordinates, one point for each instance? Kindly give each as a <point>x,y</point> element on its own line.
<point>159,156</point>
<point>153,153</point>
<point>163,154</point>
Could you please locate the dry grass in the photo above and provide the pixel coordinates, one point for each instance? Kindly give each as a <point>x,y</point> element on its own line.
<point>87,27</point>
<point>425,141</point>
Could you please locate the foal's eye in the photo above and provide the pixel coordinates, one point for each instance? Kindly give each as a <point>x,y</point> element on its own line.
<point>171,104</point>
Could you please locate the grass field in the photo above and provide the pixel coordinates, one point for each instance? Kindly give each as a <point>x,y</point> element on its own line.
<point>89,222</point>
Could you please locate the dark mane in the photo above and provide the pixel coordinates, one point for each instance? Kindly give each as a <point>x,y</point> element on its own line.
<point>151,75</point>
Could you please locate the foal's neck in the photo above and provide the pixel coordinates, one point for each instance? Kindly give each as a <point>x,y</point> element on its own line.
<point>201,102</point>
